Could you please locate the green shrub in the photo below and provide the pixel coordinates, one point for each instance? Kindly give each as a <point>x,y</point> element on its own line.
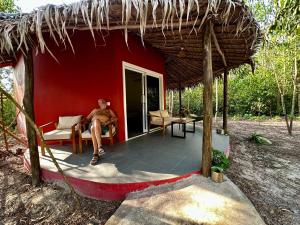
<point>9,113</point>
<point>220,162</point>
<point>259,139</point>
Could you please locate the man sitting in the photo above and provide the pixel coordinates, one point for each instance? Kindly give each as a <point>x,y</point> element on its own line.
<point>99,119</point>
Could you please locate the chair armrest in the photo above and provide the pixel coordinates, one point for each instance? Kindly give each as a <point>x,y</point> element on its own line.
<point>47,124</point>
<point>73,128</point>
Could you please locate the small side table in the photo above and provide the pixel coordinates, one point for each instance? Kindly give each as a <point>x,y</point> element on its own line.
<point>182,122</point>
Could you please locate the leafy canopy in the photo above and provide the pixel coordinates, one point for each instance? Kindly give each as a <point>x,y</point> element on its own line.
<point>8,6</point>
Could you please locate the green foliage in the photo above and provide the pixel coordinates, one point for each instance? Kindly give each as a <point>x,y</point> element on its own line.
<point>259,139</point>
<point>8,6</point>
<point>217,169</point>
<point>220,162</point>
<point>9,113</point>
<point>287,16</point>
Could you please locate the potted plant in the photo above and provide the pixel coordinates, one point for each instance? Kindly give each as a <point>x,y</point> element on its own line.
<point>220,164</point>
<point>217,174</point>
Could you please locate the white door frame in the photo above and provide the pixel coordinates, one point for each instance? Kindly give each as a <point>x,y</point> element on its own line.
<point>145,72</point>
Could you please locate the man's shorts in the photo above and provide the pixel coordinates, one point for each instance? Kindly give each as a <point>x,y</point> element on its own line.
<point>103,128</point>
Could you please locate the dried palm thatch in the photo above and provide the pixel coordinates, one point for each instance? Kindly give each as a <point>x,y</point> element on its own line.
<point>174,27</point>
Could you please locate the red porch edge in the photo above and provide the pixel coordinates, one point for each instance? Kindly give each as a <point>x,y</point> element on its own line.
<point>104,191</point>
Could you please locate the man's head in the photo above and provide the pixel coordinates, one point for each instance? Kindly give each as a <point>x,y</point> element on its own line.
<point>102,103</point>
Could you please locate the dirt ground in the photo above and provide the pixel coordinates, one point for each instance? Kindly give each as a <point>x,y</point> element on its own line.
<point>20,203</point>
<point>268,175</point>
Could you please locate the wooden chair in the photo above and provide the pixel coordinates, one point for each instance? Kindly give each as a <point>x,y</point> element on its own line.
<point>85,134</point>
<point>65,130</point>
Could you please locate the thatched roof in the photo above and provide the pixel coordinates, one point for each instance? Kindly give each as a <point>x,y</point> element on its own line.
<point>174,27</point>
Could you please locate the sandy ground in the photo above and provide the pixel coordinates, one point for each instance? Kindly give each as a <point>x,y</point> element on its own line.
<point>268,175</point>
<point>20,203</point>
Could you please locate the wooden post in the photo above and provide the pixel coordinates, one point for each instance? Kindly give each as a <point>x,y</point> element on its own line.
<point>225,101</point>
<point>217,103</point>
<point>29,108</point>
<point>180,99</point>
<point>3,127</point>
<point>207,102</point>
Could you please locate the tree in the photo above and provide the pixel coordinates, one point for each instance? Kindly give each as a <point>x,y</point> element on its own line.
<point>287,27</point>
<point>8,6</point>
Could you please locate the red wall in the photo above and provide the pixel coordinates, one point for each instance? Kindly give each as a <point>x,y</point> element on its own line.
<point>72,86</point>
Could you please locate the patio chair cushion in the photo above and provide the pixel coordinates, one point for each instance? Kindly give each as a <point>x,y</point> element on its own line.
<point>66,122</point>
<point>58,135</point>
<point>164,113</point>
<point>87,135</point>
<point>155,113</point>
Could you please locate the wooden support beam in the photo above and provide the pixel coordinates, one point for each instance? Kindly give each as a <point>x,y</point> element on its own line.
<point>218,47</point>
<point>225,101</point>
<point>207,102</point>
<point>29,108</point>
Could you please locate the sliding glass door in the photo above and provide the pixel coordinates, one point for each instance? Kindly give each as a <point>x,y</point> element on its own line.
<point>143,94</point>
<point>134,103</point>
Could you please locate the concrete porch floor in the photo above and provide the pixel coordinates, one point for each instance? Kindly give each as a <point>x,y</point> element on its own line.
<point>147,158</point>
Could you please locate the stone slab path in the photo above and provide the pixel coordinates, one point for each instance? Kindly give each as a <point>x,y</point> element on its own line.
<point>194,200</point>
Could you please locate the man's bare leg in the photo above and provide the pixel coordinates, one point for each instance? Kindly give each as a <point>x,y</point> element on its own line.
<point>98,132</point>
<point>95,145</point>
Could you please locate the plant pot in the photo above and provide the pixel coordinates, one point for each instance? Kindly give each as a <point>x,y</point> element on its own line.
<point>217,176</point>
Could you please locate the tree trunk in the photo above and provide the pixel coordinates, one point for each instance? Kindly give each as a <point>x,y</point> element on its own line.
<point>298,96</point>
<point>294,97</point>
<point>3,127</point>
<point>172,102</point>
<point>217,103</point>
<point>207,102</point>
<point>225,101</point>
<point>29,108</point>
<point>180,103</point>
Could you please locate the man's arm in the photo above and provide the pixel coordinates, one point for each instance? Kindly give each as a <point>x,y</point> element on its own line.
<point>90,116</point>
<point>113,116</point>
